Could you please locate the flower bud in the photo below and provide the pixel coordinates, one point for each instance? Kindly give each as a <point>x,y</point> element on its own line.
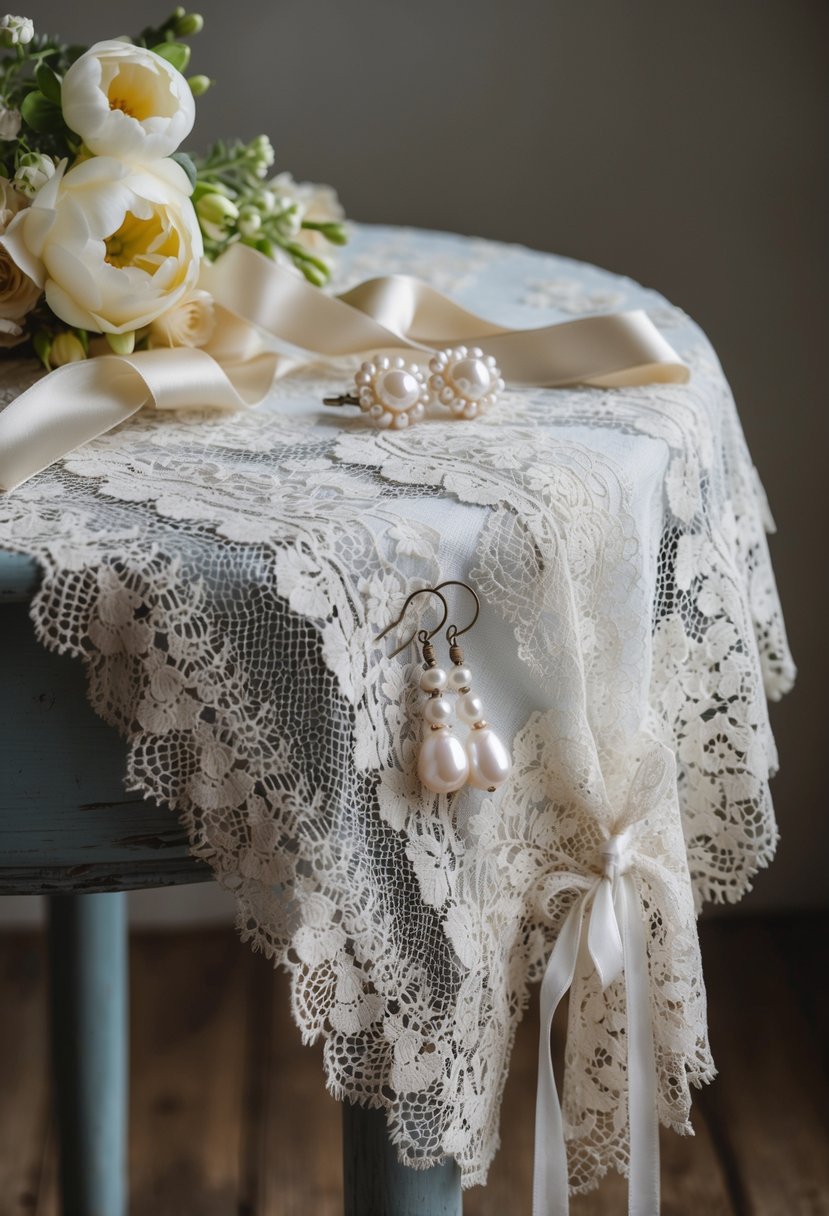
<point>120,344</point>
<point>16,31</point>
<point>188,25</point>
<point>34,171</point>
<point>66,348</point>
<point>10,121</point>
<point>199,85</point>
<point>216,214</point>
<point>262,154</point>
<point>266,201</point>
<point>250,221</point>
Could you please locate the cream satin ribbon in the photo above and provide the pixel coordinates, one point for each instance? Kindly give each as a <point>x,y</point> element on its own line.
<point>608,920</point>
<point>76,403</point>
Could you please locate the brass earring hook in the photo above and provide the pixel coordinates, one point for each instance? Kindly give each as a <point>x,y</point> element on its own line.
<point>422,635</point>
<point>453,633</point>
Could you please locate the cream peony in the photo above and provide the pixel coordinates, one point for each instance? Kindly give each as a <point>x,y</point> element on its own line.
<point>189,323</point>
<point>113,245</point>
<point>126,101</point>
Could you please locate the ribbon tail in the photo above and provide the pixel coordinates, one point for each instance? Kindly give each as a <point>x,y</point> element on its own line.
<point>76,403</point>
<point>551,1187</point>
<point>643,1120</point>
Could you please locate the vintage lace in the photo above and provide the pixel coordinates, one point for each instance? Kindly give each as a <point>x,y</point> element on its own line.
<point>223,583</point>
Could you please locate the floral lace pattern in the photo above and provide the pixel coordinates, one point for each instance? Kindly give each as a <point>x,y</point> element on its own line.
<point>223,580</point>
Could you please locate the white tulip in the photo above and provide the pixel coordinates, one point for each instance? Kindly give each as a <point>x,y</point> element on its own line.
<point>126,101</point>
<point>113,245</point>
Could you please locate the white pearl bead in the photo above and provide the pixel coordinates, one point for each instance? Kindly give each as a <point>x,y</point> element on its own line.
<point>472,378</point>
<point>398,389</point>
<point>437,710</point>
<point>459,677</point>
<point>433,679</point>
<point>470,708</point>
<point>442,764</point>
<point>489,760</point>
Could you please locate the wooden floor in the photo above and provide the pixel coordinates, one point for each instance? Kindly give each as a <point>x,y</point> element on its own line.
<point>229,1116</point>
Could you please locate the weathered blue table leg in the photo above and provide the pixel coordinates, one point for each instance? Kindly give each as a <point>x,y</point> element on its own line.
<point>88,960</point>
<point>375,1184</point>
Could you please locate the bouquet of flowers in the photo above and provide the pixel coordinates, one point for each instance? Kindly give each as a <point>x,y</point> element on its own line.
<point>105,222</point>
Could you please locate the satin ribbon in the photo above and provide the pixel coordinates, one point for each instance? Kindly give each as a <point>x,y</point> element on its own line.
<point>608,920</point>
<point>79,402</point>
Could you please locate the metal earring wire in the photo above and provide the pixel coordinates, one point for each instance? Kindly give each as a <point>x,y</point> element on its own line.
<point>442,764</point>
<point>424,636</point>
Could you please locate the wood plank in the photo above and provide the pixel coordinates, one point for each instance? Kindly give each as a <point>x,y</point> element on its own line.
<point>292,1125</point>
<point>58,757</point>
<point>188,1055</point>
<point>24,1072</point>
<point>769,1108</point>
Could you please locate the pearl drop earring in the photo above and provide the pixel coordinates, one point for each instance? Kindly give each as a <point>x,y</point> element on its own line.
<point>442,763</point>
<point>489,760</point>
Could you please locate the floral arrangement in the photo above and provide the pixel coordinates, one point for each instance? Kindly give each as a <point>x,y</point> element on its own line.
<point>105,221</point>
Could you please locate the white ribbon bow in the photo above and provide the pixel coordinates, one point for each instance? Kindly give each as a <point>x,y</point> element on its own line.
<point>607,919</point>
<point>76,403</point>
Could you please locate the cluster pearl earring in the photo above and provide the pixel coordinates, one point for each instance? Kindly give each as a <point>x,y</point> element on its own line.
<point>394,394</point>
<point>488,759</point>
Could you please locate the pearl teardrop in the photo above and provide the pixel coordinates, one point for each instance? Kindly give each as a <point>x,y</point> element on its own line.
<point>489,761</point>
<point>442,764</point>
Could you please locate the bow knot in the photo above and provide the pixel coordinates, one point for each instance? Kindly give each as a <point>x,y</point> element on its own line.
<point>616,855</point>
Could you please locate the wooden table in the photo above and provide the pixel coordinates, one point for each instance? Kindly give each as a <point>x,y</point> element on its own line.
<point>68,830</point>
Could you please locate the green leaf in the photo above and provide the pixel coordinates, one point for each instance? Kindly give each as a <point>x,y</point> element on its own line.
<point>41,114</point>
<point>181,158</point>
<point>176,53</point>
<point>48,82</point>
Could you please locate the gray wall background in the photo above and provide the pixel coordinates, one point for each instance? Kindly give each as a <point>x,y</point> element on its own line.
<point>682,144</point>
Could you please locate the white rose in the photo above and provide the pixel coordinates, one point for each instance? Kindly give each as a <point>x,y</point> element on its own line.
<point>10,203</point>
<point>126,101</point>
<point>33,172</point>
<point>10,122</point>
<point>16,31</point>
<point>113,245</point>
<point>18,296</point>
<point>189,323</point>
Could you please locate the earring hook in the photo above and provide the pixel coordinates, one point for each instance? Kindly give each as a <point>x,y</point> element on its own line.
<point>452,633</point>
<point>423,635</point>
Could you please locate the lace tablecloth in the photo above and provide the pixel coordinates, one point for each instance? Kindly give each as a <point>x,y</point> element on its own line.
<point>222,579</point>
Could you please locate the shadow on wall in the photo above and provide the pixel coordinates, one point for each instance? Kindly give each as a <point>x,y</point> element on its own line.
<point>675,144</point>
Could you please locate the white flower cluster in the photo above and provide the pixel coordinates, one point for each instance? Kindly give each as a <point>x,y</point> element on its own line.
<point>114,242</point>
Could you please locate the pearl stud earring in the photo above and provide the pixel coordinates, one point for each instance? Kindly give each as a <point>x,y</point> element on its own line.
<point>468,381</point>
<point>442,763</point>
<point>391,392</point>
<point>395,394</point>
<point>489,760</point>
